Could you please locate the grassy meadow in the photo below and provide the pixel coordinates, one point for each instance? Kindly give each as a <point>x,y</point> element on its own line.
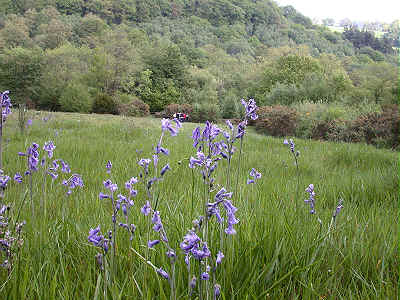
<point>280,250</point>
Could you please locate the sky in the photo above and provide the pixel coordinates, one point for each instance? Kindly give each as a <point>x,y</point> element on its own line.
<point>356,10</point>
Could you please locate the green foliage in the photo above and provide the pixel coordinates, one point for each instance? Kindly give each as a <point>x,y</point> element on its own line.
<point>197,51</point>
<point>104,104</point>
<point>205,111</point>
<point>21,70</point>
<point>76,98</point>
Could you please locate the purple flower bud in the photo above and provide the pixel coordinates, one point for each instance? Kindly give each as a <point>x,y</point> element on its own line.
<point>192,283</point>
<point>171,253</point>
<point>49,148</point>
<point>146,209</point>
<point>151,244</point>
<point>18,177</point>
<point>220,256</point>
<point>108,167</point>
<point>162,273</point>
<point>217,291</point>
<point>205,276</point>
<point>165,169</point>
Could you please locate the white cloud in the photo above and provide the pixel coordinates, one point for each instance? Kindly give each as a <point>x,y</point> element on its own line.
<point>355,10</point>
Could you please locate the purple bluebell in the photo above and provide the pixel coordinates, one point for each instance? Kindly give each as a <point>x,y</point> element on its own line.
<point>64,166</point>
<point>29,122</point>
<point>165,169</point>
<point>99,260</point>
<point>160,149</point>
<point>5,104</point>
<point>338,208</point>
<point>217,290</point>
<point>53,175</point>
<point>108,167</point>
<point>255,174</point>
<point>144,162</point>
<point>241,129</point>
<point>196,135</point>
<point>220,256</point>
<point>102,196</point>
<point>156,220</point>
<point>205,276</point>
<point>192,283</point>
<point>3,180</point>
<point>229,124</point>
<point>152,243</point>
<point>250,109</point>
<point>162,273</point>
<point>146,209</point>
<point>18,177</point>
<point>171,253</point>
<point>95,237</point>
<point>74,181</point>
<point>155,160</point>
<point>291,145</point>
<point>166,125</point>
<point>190,241</point>
<point>110,186</point>
<point>311,199</point>
<point>201,252</point>
<point>49,148</point>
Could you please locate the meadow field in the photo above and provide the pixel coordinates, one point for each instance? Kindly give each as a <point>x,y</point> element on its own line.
<point>280,250</point>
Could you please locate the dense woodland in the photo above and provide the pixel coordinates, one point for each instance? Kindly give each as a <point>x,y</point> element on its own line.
<point>111,56</point>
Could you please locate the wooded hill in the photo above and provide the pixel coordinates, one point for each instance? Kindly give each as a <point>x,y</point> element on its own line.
<point>109,56</point>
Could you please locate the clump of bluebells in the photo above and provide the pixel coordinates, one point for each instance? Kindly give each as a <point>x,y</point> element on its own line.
<point>5,107</point>
<point>48,167</point>
<point>212,145</point>
<point>11,239</point>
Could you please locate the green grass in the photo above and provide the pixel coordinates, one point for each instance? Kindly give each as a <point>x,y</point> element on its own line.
<point>279,252</point>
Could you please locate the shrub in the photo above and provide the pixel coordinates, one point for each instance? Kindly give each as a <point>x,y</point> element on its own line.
<point>104,104</point>
<point>379,129</point>
<point>205,111</point>
<point>334,130</point>
<point>135,108</point>
<point>76,98</point>
<point>277,120</point>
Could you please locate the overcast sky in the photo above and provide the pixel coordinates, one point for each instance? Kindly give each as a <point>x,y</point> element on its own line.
<point>355,10</point>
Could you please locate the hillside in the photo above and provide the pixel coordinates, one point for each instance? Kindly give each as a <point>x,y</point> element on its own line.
<point>94,56</point>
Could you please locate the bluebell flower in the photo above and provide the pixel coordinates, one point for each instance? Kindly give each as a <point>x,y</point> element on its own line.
<point>165,169</point>
<point>152,243</point>
<point>311,199</point>
<point>217,290</point>
<point>108,167</point>
<point>49,148</point>
<point>146,208</point>
<point>18,177</point>
<point>220,256</point>
<point>338,208</point>
<point>162,273</point>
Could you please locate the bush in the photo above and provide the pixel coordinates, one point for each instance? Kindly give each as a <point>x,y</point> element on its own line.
<point>277,120</point>
<point>205,111</point>
<point>380,129</point>
<point>104,104</point>
<point>76,98</point>
<point>135,108</point>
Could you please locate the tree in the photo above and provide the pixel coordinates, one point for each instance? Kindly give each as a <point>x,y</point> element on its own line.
<point>21,71</point>
<point>328,22</point>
